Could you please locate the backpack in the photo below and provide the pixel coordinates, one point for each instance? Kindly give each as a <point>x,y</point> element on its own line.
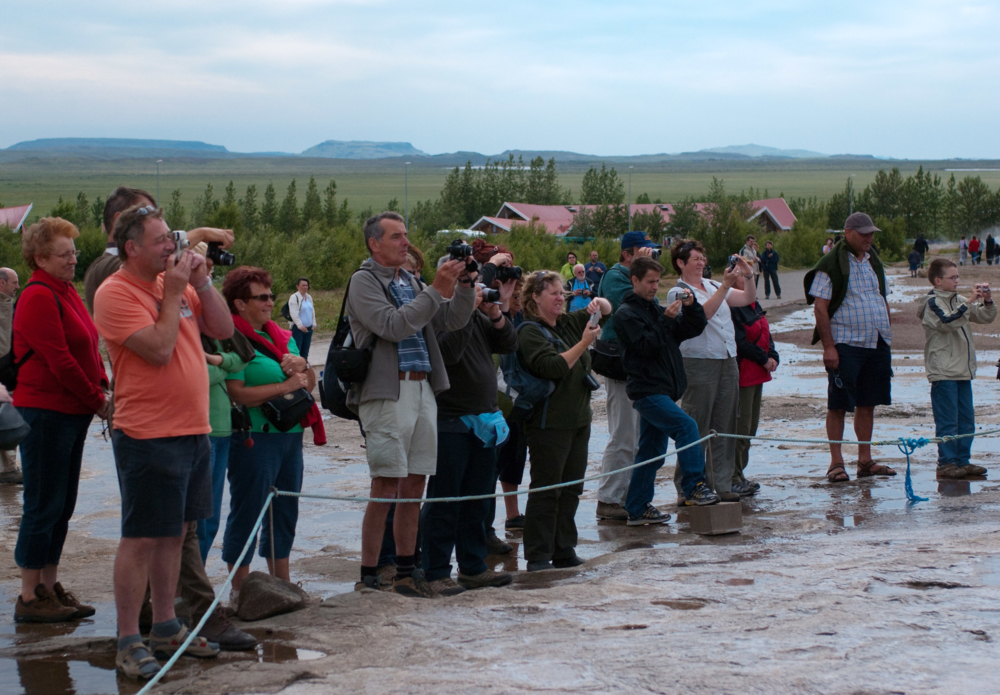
<point>9,366</point>
<point>286,313</point>
<point>526,389</point>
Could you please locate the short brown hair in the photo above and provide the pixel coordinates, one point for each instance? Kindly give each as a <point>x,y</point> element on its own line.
<point>238,281</point>
<point>536,283</point>
<point>937,268</point>
<point>416,258</point>
<point>36,239</point>
<point>681,250</point>
<point>121,199</point>
<point>131,225</point>
<point>642,265</point>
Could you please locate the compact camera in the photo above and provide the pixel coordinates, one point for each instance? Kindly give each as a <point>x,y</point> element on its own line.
<point>734,261</point>
<point>181,242</point>
<point>218,256</point>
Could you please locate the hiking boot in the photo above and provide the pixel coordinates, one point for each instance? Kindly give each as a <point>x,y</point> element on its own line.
<point>67,598</point>
<point>414,586</point>
<point>133,665</point>
<point>370,583</point>
<point>753,483</point>
<point>385,576</point>
<point>539,565</point>
<point>650,515</point>
<point>446,586</point>
<point>14,477</point>
<point>702,495</point>
<point>164,647</point>
<point>44,608</point>
<point>230,638</point>
<point>950,471</point>
<point>607,511</point>
<point>514,524</point>
<point>573,560</point>
<point>495,546</point>
<point>744,489</point>
<point>489,578</point>
<point>729,496</point>
<point>973,469</point>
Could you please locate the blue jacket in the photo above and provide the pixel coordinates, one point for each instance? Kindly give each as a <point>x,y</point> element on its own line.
<point>769,261</point>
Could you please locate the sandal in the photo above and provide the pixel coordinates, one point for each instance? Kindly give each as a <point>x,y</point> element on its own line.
<point>132,666</point>
<point>867,469</point>
<point>836,473</point>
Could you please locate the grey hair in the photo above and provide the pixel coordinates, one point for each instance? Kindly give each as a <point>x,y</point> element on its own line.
<point>373,226</point>
<point>5,274</point>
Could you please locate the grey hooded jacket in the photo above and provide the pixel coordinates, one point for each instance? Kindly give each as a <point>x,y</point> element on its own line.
<point>950,353</point>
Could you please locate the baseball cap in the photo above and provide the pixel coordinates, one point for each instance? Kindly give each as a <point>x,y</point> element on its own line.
<point>861,223</point>
<point>640,239</point>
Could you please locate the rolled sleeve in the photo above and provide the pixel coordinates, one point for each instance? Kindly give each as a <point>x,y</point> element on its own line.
<point>822,286</point>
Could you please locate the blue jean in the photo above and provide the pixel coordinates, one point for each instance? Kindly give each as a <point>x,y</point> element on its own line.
<point>464,467</point>
<point>207,528</point>
<point>303,339</point>
<point>51,455</point>
<point>660,420</point>
<point>274,459</point>
<point>951,402</point>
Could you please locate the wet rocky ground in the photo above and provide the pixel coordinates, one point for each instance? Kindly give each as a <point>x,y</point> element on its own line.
<point>844,589</point>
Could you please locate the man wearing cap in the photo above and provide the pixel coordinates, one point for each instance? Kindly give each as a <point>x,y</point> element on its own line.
<point>623,420</point>
<point>852,321</point>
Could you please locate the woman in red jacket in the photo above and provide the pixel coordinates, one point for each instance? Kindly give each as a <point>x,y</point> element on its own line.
<point>60,386</point>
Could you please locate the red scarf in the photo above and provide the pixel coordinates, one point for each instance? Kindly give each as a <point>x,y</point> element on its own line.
<point>277,347</point>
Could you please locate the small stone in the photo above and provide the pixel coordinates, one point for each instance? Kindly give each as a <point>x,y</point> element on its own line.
<point>263,596</point>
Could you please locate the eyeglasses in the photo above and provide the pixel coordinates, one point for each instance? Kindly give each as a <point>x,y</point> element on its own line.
<point>263,297</point>
<point>686,247</point>
<point>68,256</point>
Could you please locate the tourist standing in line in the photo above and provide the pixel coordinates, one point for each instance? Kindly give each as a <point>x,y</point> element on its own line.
<point>303,312</point>
<point>974,250</point>
<point>595,270</point>
<point>769,267</point>
<point>579,289</point>
<point>852,320</point>
<point>751,255</point>
<point>567,270</point>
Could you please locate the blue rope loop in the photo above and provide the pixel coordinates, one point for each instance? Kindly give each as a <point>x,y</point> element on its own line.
<point>909,446</point>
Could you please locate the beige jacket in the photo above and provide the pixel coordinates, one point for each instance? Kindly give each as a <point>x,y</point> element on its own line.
<point>6,321</point>
<point>950,353</point>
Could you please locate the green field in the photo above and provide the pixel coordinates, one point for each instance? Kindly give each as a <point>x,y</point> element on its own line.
<point>42,181</point>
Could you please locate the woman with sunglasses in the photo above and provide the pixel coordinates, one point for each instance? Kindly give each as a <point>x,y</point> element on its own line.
<point>712,395</point>
<point>61,385</point>
<point>264,457</point>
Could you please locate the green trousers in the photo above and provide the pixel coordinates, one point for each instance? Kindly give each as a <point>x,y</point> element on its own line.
<point>747,420</point>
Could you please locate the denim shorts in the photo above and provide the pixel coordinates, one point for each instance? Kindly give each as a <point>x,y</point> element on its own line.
<point>165,482</point>
<point>864,376</point>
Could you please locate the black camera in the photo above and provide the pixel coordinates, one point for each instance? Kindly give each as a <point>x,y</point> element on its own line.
<point>654,254</point>
<point>490,295</point>
<point>218,256</point>
<point>505,273</point>
<point>459,250</point>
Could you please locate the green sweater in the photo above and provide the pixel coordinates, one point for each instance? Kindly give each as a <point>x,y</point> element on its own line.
<point>569,404</point>
<point>837,265</point>
<point>218,399</point>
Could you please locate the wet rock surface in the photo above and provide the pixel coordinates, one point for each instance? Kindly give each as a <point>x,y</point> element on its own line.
<point>263,596</point>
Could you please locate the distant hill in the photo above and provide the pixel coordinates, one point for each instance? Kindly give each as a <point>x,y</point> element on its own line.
<point>72,144</point>
<point>362,149</point>
<point>764,151</point>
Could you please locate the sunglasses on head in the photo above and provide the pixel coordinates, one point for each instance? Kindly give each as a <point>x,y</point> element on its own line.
<point>263,297</point>
<point>146,210</point>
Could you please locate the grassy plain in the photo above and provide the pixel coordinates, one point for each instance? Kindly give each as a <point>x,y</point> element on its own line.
<point>366,183</point>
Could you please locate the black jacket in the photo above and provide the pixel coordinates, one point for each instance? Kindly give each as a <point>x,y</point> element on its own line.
<point>744,316</point>
<point>650,343</point>
<point>468,357</point>
<point>769,261</point>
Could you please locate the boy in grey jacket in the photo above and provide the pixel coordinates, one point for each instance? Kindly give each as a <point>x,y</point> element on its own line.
<point>950,363</point>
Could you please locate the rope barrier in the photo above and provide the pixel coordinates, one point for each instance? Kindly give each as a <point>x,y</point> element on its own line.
<point>908,446</point>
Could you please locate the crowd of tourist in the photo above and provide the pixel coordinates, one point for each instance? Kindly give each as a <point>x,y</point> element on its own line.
<point>205,387</point>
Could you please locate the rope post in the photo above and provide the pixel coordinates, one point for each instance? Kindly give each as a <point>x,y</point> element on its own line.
<point>270,521</point>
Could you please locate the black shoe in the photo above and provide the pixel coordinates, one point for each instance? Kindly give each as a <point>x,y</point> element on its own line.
<point>515,524</point>
<point>495,546</point>
<point>539,565</point>
<point>562,563</point>
<point>744,489</point>
<point>230,638</point>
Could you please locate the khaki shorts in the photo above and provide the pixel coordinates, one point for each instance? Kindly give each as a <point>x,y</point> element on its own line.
<point>401,436</point>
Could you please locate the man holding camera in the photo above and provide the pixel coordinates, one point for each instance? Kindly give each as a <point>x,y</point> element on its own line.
<point>471,429</point>
<point>623,420</point>
<point>650,339</point>
<point>151,314</point>
<point>397,317</point>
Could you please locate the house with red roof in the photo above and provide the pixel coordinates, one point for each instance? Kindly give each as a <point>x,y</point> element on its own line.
<point>14,217</point>
<point>773,215</point>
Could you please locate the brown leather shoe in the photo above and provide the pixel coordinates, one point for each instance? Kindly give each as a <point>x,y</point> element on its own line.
<point>67,598</point>
<point>44,608</point>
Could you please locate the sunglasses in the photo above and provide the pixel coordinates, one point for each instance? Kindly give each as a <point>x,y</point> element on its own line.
<point>145,210</point>
<point>262,297</point>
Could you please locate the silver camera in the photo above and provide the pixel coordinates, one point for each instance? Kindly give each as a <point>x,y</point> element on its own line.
<point>181,241</point>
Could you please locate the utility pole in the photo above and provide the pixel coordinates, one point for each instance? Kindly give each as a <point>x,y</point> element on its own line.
<point>850,194</point>
<point>630,198</point>
<point>158,182</point>
<point>406,195</point>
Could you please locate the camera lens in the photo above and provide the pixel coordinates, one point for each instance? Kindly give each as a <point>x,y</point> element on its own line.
<point>218,256</point>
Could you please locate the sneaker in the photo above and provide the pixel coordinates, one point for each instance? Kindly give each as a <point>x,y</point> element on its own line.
<point>514,524</point>
<point>135,662</point>
<point>414,586</point>
<point>754,484</point>
<point>164,647</point>
<point>385,576</point>
<point>973,469</point>
<point>67,598</point>
<point>607,511</point>
<point>446,586</point>
<point>950,471</point>
<point>369,583</point>
<point>651,515</point>
<point>44,608</point>
<point>495,546</point>
<point>744,489</point>
<point>230,638</point>
<point>779,296</point>
<point>14,477</point>
<point>702,495</point>
<point>489,578</point>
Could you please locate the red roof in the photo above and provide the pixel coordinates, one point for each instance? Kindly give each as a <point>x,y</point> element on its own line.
<point>558,219</point>
<point>14,217</point>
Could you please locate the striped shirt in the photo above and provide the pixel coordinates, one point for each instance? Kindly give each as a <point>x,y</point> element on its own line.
<point>412,351</point>
<point>863,316</point>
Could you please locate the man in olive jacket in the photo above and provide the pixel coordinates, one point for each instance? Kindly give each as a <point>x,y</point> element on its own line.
<point>391,310</point>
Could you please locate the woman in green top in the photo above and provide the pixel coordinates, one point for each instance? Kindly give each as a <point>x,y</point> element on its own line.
<point>557,446</point>
<point>269,458</point>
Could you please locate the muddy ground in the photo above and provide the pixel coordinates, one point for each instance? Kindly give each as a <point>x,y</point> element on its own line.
<point>843,588</point>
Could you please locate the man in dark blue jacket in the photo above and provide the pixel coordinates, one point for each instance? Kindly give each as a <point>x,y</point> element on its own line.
<point>769,267</point>
<point>650,337</point>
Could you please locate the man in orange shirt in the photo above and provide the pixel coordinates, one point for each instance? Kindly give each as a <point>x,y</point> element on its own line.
<point>150,314</point>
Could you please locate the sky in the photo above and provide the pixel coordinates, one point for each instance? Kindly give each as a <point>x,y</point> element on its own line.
<point>906,79</point>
